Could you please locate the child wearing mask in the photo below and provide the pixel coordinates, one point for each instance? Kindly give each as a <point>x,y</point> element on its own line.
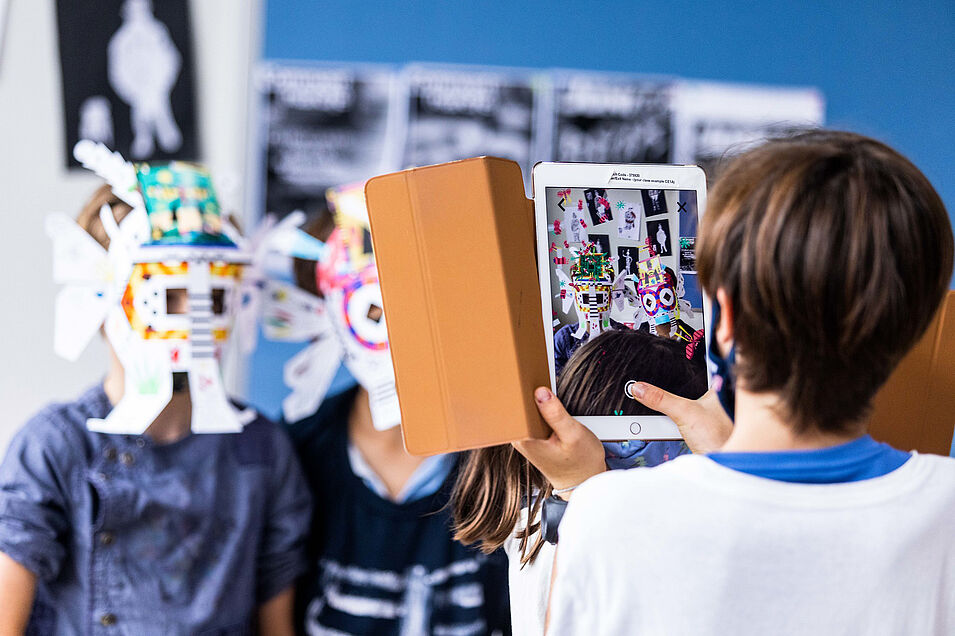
<point>827,255</point>
<point>381,557</point>
<point>116,514</point>
<point>500,498</point>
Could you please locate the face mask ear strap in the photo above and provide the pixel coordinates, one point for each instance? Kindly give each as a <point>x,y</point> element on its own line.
<point>724,380</point>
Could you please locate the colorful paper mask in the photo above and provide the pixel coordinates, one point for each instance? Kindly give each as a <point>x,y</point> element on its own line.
<point>657,294</point>
<point>166,290</point>
<point>348,324</point>
<point>594,290</point>
<point>348,278</point>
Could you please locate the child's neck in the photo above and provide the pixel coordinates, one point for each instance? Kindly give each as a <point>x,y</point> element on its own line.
<point>171,425</point>
<point>384,451</point>
<point>758,427</point>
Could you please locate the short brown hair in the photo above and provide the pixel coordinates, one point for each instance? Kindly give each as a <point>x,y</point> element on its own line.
<point>89,219</point>
<point>835,252</point>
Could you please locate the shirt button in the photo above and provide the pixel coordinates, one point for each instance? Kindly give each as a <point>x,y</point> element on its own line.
<point>127,459</point>
<point>106,538</point>
<point>110,453</point>
<point>108,619</point>
<point>140,442</point>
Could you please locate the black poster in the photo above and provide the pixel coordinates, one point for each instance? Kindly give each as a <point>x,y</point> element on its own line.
<point>326,126</point>
<point>462,113</point>
<point>607,119</point>
<point>127,70</point>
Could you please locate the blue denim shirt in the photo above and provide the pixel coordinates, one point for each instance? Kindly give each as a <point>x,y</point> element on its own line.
<point>130,537</point>
<point>637,453</point>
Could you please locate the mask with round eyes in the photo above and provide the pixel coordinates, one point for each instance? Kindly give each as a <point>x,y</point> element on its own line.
<point>348,278</point>
<point>656,291</point>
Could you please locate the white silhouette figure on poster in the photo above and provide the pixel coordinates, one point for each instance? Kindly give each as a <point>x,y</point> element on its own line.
<point>143,64</point>
<point>661,239</point>
<point>96,120</point>
<point>575,227</point>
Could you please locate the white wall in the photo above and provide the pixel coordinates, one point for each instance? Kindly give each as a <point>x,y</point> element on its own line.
<point>33,181</point>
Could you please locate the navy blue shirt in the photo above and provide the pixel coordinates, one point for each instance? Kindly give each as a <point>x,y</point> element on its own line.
<point>380,567</point>
<point>863,458</point>
<point>130,537</point>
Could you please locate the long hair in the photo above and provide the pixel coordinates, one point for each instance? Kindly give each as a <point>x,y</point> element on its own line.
<point>494,484</point>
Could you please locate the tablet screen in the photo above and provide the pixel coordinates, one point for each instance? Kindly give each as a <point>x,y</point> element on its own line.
<point>626,298</point>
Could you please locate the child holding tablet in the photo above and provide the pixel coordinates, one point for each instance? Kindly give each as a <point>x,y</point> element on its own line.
<point>498,491</point>
<point>827,255</point>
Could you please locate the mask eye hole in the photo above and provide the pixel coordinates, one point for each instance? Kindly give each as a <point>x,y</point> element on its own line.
<point>374,313</point>
<point>177,300</point>
<point>218,301</point>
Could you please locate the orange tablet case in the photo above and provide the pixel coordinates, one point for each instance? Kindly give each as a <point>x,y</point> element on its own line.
<point>454,244</point>
<point>915,410</point>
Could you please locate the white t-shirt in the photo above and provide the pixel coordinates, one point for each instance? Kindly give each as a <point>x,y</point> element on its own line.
<point>528,585</point>
<point>693,547</point>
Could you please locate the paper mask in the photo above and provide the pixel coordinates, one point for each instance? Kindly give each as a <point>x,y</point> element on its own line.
<point>165,291</point>
<point>657,293</point>
<point>347,325</point>
<point>348,278</point>
<point>594,290</point>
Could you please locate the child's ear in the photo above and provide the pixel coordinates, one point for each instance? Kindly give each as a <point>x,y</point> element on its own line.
<point>724,330</point>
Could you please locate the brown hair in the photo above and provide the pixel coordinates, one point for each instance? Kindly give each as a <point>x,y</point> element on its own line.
<point>834,251</point>
<point>495,483</point>
<point>319,224</point>
<point>89,219</point>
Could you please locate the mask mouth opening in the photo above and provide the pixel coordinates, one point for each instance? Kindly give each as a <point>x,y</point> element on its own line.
<point>180,382</point>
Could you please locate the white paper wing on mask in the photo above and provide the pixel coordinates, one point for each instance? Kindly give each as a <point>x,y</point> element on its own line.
<point>77,257</point>
<point>79,312</point>
<point>309,374</point>
<point>211,410</point>
<point>568,291</point>
<point>80,263</point>
<point>112,167</point>
<point>147,380</point>
<point>291,314</point>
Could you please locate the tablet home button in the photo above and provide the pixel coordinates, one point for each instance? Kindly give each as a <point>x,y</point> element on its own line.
<point>635,428</point>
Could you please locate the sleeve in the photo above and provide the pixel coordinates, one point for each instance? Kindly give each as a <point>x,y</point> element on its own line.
<point>281,557</point>
<point>573,607</point>
<point>34,498</point>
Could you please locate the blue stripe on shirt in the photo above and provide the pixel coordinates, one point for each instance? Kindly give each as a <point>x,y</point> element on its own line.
<point>863,458</point>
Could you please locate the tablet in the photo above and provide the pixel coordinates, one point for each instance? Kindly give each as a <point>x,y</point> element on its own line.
<point>616,249</point>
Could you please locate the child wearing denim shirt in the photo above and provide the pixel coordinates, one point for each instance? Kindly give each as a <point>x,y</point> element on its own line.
<point>162,533</point>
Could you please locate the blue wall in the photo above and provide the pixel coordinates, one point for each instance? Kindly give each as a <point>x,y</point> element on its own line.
<point>885,68</point>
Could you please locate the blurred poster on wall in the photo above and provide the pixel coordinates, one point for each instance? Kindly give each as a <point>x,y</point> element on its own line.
<point>127,71</point>
<point>462,112</point>
<point>713,120</point>
<point>324,126</point>
<point>608,118</point>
